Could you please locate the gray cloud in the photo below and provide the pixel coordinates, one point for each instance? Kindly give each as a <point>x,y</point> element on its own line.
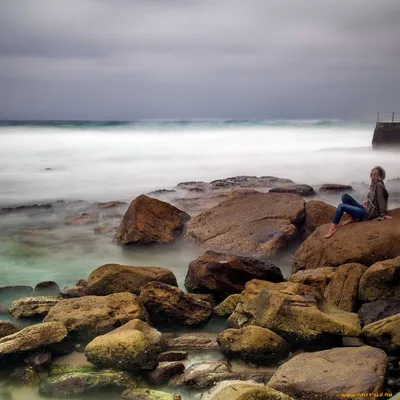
<point>131,59</point>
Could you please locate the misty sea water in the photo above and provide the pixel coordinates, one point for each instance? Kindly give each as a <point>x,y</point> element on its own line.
<point>45,162</point>
<point>99,161</point>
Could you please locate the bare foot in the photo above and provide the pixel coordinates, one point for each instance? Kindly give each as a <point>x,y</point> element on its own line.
<point>349,221</point>
<point>331,231</point>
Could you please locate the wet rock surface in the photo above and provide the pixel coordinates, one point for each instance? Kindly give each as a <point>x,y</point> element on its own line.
<point>46,288</point>
<point>327,374</point>
<point>318,213</point>
<point>301,190</point>
<point>205,375</point>
<point>250,224</point>
<point>90,316</point>
<point>168,304</point>
<point>384,334</point>
<point>85,381</point>
<point>335,187</point>
<point>31,307</point>
<point>115,278</point>
<point>165,372</point>
<point>376,241</point>
<point>8,328</point>
<point>227,307</point>
<point>379,309</point>
<point>234,390</point>
<point>32,338</point>
<point>342,291</point>
<point>319,278</point>
<point>312,317</point>
<point>382,279</point>
<point>225,274</point>
<point>253,344</point>
<point>123,349</point>
<point>149,220</point>
<point>200,341</point>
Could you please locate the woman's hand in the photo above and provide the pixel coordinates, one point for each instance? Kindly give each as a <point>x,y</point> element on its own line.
<point>364,204</point>
<point>387,217</point>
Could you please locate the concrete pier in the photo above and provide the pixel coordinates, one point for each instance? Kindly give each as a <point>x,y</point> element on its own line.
<point>387,131</point>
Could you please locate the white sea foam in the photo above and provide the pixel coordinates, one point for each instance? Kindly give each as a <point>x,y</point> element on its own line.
<point>120,163</point>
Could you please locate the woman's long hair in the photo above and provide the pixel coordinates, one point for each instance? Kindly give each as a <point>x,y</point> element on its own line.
<point>380,174</point>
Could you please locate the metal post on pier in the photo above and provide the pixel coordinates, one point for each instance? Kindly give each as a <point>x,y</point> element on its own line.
<point>377,119</point>
<point>392,116</point>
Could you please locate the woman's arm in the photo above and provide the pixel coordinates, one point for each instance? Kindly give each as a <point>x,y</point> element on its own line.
<point>382,202</point>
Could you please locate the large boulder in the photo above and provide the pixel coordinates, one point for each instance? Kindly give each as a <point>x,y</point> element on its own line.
<point>85,381</point>
<point>251,224</point>
<point>381,280</point>
<point>90,316</point>
<point>8,328</point>
<point>149,221</point>
<point>30,307</point>
<point>379,309</point>
<point>123,349</point>
<point>317,213</point>
<point>329,374</point>
<point>364,242</point>
<point>32,338</point>
<point>342,291</point>
<point>225,274</point>
<point>297,312</point>
<point>253,344</point>
<point>384,334</point>
<point>115,278</point>
<point>318,279</point>
<point>236,390</point>
<point>168,304</point>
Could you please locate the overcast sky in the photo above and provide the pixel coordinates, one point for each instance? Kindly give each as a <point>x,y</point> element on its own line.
<point>136,59</point>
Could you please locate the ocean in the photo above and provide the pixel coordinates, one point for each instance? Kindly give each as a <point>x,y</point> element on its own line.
<point>72,165</point>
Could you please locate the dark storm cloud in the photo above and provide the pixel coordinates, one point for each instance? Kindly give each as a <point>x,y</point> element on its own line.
<point>198,58</point>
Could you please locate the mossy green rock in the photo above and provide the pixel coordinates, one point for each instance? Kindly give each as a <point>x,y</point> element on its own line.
<point>233,390</point>
<point>148,394</point>
<point>227,307</point>
<point>24,376</point>
<point>67,369</point>
<point>253,344</point>
<point>79,383</point>
<point>380,280</point>
<point>126,349</point>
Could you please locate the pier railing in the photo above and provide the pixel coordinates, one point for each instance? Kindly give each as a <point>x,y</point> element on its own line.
<point>392,117</point>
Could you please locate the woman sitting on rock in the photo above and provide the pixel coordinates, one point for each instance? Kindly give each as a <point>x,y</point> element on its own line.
<point>374,207</point>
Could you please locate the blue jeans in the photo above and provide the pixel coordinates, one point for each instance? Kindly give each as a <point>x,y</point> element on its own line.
<point>351,207</point>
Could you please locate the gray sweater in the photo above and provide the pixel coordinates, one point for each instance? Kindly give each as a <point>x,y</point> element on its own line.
<point>377,201</point>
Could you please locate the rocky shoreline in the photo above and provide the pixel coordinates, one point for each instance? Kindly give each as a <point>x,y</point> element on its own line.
<point>330,328</point>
